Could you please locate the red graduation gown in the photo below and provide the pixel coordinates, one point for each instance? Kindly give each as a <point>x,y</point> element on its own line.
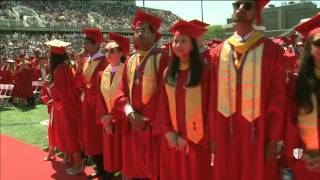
<point>91,130</point>
<point>291,61</point>
<point>243,158</point>
<point>66,99</point>
<point>141,148</point>
<point>112,151</point>
<point>205,54</point>
<point>292,136</point>
<point>8,76</point>
<point>36,72</point>
<point>45,98</point>
<point>176,164</point>
<point>23,82</point>
<point>2,75</point>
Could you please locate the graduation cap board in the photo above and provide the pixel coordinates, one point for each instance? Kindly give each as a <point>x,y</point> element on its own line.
<point>57,46</point>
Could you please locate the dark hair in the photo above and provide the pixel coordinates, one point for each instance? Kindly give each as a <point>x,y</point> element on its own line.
<point>307,83</point>
<point>196,67</point>
<point>91,40</point>
<point>55,60</point>
<point>123,58</point>
<point>151,29</point>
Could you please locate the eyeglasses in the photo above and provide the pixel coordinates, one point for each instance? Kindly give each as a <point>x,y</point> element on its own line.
<point>316,43</point>
<point>246,5</point>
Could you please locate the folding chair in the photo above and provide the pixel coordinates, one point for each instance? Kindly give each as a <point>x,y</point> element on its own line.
<point>36,86</point>
<point>1,88</point>
<point>7,95</point>
<point>3,92</point>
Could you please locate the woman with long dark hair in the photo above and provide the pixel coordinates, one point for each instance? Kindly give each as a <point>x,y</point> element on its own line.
<point>46,98</point>
<point>302,145</point>
<point>183,108</point>
<point>64,102</point>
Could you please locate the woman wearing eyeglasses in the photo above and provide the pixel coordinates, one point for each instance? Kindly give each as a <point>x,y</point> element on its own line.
<point>116,52</point>
<point>302,145</point>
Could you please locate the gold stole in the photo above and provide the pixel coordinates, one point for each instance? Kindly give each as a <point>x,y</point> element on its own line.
<point>72,67</point>
<point>251,79</point>
<point>149,81</point>
<point>308,126</point>
<point>89,67</point>
<point>109,91</point>
<point>193,111</point>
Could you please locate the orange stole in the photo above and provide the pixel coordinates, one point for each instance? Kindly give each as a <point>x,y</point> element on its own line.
<point>109,90</point>
<point>308,126</point>
<point>149,81</point>
<point>193,110</point>
<point>71,65</point>
<point>88,68</point>
<point>251,80</point>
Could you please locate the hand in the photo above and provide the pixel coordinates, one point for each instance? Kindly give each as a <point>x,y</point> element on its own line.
<point>82,96</point>
<point>138,122</point>
<point>270,151</point>
<point>50,102</point>
<point>182,145</point>
<point>109,129</point>
<point>106,119</point>
<point>312,164</point>
<point>172,139</point>
<point>316,162</point>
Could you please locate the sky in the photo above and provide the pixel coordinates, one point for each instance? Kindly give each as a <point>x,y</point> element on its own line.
<point>214,12</point>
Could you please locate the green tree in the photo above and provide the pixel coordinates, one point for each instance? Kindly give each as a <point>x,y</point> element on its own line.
<point>214,32</point>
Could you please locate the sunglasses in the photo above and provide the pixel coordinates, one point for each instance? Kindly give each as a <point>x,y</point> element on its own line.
<point>316,43</point>
<point>111,51</point>
<point>246,5</point>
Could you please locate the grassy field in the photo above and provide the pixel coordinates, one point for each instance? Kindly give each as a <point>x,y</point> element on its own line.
<point>24,124</point>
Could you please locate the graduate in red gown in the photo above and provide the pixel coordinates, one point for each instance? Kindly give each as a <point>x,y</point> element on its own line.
<point>117,50</point>
<point>138,98</point>
<point>23,81</point>
<point>7,71</point>
<point>65,99</point>
<point>46,98</point>
<point>3,66</point>
<point>291,57</point>
<point>247,101</point>
<point>214,42</point>
<point>203,49</point>
<point>86,79</point>
<point>36,60</point>
<point>302,143</point>
<point>184,152</point>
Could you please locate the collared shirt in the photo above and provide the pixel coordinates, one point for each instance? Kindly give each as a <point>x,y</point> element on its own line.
<point>244,38</point>
<point>115,68</point>
<point>95,56</point>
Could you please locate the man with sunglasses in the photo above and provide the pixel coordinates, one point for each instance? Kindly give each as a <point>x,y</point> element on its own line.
<point>138,98</point>
<point>247,102</point>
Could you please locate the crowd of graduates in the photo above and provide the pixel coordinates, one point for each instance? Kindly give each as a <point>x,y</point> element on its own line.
<point>240,109</point>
